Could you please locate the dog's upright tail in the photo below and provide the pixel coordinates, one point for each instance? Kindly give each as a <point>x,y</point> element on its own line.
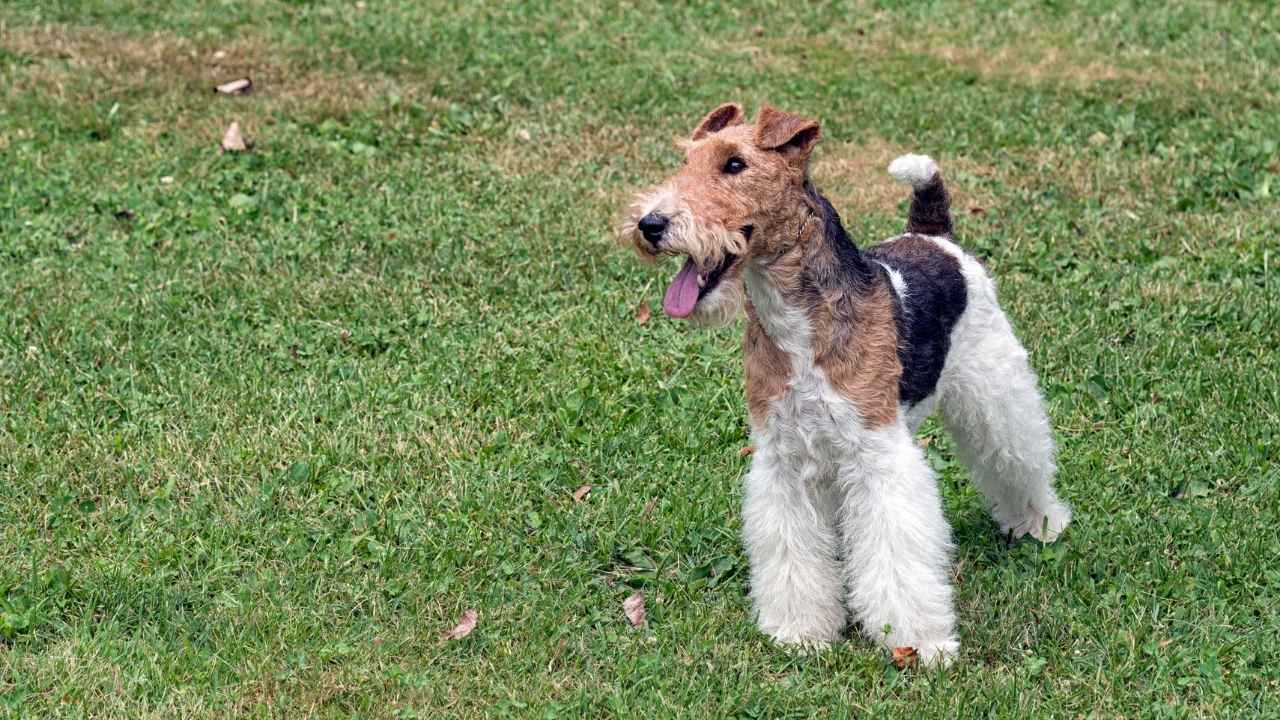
<point>930,212</point>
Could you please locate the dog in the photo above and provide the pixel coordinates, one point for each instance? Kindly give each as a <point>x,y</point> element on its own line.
<point>846,352</point>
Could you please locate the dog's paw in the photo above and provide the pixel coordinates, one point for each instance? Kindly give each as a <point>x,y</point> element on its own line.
<point>1044,525</point>
<point>800,638</point>
<point>939,653</point>
<point>799,621</point>
<point>801,644</point>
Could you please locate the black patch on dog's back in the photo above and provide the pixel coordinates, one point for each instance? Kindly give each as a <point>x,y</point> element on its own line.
<point>936,296</point>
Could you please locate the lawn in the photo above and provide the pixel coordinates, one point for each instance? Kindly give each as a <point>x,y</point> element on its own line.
<point>272,421</point>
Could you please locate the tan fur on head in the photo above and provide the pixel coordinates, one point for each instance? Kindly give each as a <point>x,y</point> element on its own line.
<point>706,244</point>
<point>690,232</point>
<point>710,211</point>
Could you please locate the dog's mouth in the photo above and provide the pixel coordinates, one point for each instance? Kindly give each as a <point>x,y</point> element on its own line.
<point>690,285</point>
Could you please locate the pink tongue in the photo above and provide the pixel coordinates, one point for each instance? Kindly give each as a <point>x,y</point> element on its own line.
<point>683,293</point>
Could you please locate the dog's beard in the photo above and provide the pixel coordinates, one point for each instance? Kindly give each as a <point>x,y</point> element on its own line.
<point>722,305</point>
<point>706,243</point>
<point>712,252</point>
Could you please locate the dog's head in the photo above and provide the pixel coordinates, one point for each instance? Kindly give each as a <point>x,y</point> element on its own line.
<point>721,208</point>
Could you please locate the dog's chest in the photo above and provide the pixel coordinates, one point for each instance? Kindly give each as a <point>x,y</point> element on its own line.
<point>811,419</point>
<point>793,405</point>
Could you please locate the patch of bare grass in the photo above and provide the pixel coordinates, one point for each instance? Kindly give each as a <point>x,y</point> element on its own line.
<point>171,78</point>
<point>1041,56</point>
<point>854,175</point>
<point>1031,55</point>
<point>1094,176</point>
<point>1036,60</point>
<point>761,52</point>
<point>530,152</point>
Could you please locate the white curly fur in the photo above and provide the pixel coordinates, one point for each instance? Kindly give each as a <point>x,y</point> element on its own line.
<point>913,170</point>
<point>994,412</point>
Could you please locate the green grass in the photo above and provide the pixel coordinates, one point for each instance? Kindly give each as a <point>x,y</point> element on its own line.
<point>268,433</point>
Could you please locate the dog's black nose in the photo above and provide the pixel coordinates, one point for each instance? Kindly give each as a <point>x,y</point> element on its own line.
<point>652,227</point>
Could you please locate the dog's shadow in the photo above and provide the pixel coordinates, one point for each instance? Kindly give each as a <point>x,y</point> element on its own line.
<point>978,540</point>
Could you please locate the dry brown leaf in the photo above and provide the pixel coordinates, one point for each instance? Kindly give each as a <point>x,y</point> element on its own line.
<point>649,506</point>
<point>746,450</point>
<point>925,441</point>
<point>232,140</point>
<point>581,493</point>
<point>240,86</point>
<point>905,657</point>
<point>465,625</point>
<point>633,607</point>
<point>643,313</point>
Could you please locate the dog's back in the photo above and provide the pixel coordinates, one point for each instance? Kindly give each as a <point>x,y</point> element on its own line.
<point>929,297</point>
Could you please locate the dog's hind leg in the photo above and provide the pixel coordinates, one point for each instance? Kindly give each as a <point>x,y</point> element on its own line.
<point>790,541</point>
<point>995,414</point>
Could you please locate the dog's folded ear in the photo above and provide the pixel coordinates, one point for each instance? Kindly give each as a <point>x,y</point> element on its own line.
<point>718,119</point>
<point>786,133</point>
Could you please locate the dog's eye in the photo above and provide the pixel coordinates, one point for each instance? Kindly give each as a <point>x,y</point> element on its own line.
<point>734,165</point>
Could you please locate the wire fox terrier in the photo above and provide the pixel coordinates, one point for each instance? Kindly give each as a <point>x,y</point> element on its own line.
<point>847,351</point>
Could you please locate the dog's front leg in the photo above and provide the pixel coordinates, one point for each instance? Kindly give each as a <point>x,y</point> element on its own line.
<point>897,546</point>
<point>790,541</point>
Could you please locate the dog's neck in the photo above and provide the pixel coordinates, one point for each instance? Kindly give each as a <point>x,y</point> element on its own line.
<point>811,261</point>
